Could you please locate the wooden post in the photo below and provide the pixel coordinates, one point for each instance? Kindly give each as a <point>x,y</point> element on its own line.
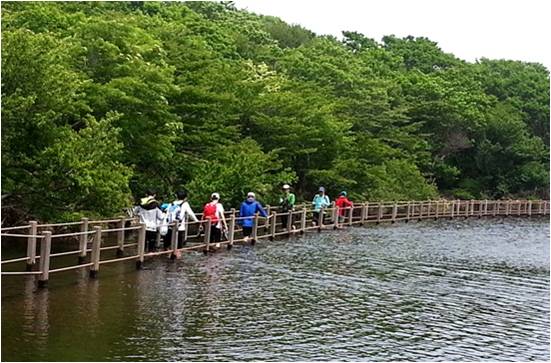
<point>31,245</point>
<point>519,207</point>
<point>485,207</point>
<point>529,208</point>
<point>303,221</point>
<point>186,226</point>
<point>334,215</point>
<point>472,208</point>
<point>394,212</point>
<point>408,212</point>
<point>429,209</point>
<point>351,216</point>
<point>436,212</point>
<point>496,208</point>
<point>255,228</point>
<point>45,248</point>
<point>83,240</point>
<point>231,232</point>
<point>452,209</point>
<point>379,213</point>
<point>158,238</point>
<point>174,239</point>
<point>94,269</point>
<point>364,213</point>
<point>507,207</point>
<point>120,238</point>
<point>545,209</point>
<point>268,210</point>
<point>273,226</point>
<point>289,222</point>
<point>141,246</point>
<point>207,236</point>
<point>539,206</point>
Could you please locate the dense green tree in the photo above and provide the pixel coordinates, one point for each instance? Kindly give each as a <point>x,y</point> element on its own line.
<point>101,100</point>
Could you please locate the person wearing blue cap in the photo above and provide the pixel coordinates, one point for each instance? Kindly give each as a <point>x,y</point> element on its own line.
<point>321,200</point>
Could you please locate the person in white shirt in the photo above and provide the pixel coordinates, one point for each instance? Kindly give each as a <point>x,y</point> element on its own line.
<point>181,211</point>
<point>151,216</point>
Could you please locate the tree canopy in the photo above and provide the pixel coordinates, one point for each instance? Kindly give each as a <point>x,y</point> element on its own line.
<point>103,100</point>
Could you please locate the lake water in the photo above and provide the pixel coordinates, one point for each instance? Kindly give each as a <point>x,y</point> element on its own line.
<point>432,291</point>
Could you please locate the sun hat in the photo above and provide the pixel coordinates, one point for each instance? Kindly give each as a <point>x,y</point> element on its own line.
<point>285,186</point>
<point>215,196</point>
<point>322,189</point>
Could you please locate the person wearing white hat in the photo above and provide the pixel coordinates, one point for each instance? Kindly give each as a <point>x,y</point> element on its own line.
<point>214,210</point>
<point>286,204</point>
<point>248,209</point>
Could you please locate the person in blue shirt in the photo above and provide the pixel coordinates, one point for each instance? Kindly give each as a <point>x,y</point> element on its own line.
<point>248,209</point>
<point>321,200</point>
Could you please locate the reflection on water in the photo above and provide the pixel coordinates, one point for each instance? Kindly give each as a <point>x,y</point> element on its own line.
<point>445,290</point>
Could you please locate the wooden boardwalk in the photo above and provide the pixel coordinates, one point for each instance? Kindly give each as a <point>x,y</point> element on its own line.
<point>99,242</point>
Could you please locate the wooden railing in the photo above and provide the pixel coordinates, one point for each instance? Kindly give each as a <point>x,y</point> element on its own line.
<point>92,242</point>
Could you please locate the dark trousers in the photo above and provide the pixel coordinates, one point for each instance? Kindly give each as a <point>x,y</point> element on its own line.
<point>215,234</point>
<point>316,217</point>
<point>247,231</point>
<point>168,239</point>
<point>151,240</point>
<point>285,220</point>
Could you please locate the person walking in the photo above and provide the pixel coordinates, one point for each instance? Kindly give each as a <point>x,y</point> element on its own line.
<point>248,210</point>
<point>214,210</point>
<point>343,204</point>
<point>179,210</point>
<point>286,204</point>
<point>321,200</point>
<point>150,214</point>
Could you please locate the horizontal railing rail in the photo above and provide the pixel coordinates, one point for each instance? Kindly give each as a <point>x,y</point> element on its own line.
<point>92,235</point>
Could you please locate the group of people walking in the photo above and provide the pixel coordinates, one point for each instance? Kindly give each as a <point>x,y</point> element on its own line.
<point>157,217</point>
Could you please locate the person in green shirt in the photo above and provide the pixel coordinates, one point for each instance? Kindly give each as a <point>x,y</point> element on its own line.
<point>286,203</point>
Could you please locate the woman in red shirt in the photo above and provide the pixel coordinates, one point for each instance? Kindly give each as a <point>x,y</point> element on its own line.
<point>344,205</point>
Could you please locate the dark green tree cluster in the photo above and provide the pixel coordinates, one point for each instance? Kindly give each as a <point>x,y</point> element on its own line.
<point>102,100</point>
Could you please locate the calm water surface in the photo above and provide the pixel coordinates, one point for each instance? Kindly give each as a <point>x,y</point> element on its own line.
<point>431,291</point>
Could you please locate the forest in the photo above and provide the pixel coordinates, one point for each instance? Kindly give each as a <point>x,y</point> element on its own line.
<point>103,100</point>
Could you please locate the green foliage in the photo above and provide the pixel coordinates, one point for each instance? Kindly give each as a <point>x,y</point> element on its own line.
<point>237,169</point>
<point>102,100</point>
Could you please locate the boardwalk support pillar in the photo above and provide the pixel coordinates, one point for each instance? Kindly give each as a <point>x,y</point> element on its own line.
<point>141,246</point>
<point>31,245</point>
<point>120,238</point>
<point>94,269</point>
<point>83,240</point>
<point>45,248</point>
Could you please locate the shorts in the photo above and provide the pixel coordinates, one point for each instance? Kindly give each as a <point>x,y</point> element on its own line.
<point>215,234</point>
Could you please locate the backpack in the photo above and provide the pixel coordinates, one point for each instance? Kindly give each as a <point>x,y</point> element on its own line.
<point>209,211</point>
<point>174,212</point>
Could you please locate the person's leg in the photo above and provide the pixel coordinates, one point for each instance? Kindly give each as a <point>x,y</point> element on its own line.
<point>247,231</point>
<point>284,220</point>
<point>181,242</point>
<point>315,217</point>
<point>151,240</point>
<point>167,239</point>
<point>215,234</point>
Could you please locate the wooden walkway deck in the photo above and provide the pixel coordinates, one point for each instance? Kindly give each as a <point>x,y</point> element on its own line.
<point>100,242</point>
